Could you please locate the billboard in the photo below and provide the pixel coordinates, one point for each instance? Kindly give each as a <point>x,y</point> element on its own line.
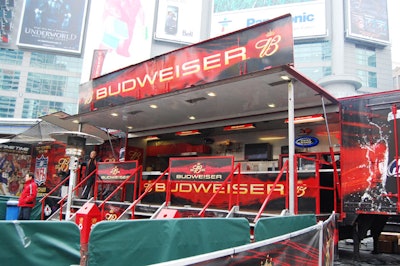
<point>119,34</point>
<point>53,25</point>
<point>176,21</point>
<point>309,19</point>
<point>262,46</point>
<point>368,21</point>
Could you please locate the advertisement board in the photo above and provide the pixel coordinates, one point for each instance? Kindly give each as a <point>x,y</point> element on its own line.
<point>368,21</point>
<point>119,34</point>
<point>53,25</point>
<point>309,18</point>
<point>369,150</point>
<point>179,21</point>
<point>263,46</point>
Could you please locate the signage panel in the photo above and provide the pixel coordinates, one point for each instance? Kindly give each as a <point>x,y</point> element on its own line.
<point>53,25</point>
<point>256,48</point>
<point>309,19</point>
<point>368,21</point>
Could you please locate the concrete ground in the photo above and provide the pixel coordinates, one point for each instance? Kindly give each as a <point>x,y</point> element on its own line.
<point>345,255</point>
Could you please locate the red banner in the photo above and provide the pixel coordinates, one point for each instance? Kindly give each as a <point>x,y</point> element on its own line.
<point>116,171</point>
<point>253,49</point>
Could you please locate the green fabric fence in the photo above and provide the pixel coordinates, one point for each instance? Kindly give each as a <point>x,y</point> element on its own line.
<point>39,243</point>
<point>144,242</point>
<point>270,227</point>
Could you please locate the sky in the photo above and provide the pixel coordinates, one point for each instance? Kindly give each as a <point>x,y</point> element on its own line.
<point>394,25</point>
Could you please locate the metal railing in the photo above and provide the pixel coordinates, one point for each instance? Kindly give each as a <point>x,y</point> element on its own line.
<point>43,200</point>
<point>277,179</point>
<point>223,185</point>
<point>147,190</point>
<point>126,181</point>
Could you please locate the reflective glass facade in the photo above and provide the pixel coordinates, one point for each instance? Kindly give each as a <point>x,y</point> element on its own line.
<point>7,107</point>
<point>33,84</point>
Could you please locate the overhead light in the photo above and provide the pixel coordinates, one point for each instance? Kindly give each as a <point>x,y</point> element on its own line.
<point>192,117</point>
<point>211,94</point>
<point>307,119</point>
<point>284,77</point>
<point>153,106</point>
<point>239,127</point>
<point>76,121</point>
<point>272,138</point>
<point>129,127</point>
<point>188,132</point>
<point>152,138</point>
<point>271,105</point>
<point>114,114</point>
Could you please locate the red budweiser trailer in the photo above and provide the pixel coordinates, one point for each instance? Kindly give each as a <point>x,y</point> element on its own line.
<point>212,106</point>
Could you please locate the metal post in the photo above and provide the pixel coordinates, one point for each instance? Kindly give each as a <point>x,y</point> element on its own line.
<point>292,188</point>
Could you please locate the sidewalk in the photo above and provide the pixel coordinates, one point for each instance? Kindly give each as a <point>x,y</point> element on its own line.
<point>345,255</point>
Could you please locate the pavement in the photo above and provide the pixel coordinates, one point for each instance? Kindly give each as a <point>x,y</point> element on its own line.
<point>345,255</point>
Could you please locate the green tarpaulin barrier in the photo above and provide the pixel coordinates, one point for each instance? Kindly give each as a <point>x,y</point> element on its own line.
<point>270,227</point>
<point>39,243</point>
<point>143,242</point>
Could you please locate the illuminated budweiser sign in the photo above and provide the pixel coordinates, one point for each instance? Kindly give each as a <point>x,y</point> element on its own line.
<point>255,48</point>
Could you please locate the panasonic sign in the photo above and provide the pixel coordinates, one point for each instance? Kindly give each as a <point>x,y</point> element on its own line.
<point>308,19</point>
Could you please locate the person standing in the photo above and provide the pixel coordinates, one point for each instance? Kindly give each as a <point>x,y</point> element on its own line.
<point>91,165</point>
<point>27,199</point>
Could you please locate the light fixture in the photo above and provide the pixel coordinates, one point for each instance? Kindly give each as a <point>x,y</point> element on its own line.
<point>271,105</point>
<point>272,138</point>
<point>192,117</point>
<point>239,127</point>
<point>129,127</point>
<point>307,119</point>
<point>152,138</point>
<point>75,121</point>
<point>188,132</point>
<point>284,77</point>
<point>114,114</point>
<point>211,94</point>
<point>153,106</point>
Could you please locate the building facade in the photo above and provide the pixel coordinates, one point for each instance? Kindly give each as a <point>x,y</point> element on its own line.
<point>35,78</point>
<point>342,45</point>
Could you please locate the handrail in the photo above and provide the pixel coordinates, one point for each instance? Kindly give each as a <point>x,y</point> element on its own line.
<point>61,201</point>
<point>148,189</point>
<point>135,173</point>
<point>231,175</point>
<point>285,166</point>
<point>42,200</point>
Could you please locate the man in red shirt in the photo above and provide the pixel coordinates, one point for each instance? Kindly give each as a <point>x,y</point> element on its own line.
<point>27,199</point>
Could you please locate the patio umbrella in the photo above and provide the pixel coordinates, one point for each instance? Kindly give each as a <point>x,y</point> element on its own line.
<point>40,132</point>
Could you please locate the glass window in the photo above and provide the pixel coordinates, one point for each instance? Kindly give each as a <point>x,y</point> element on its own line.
<point>9,80</point>
<point>52,85</point>
<point>315,73</point>
<point>11,57</point>
<point>35,108</point>
<point>57,62</point>
<point>368,78</point>
<point>7,106</point>
<point>365,56</point>
<point>312,52</point>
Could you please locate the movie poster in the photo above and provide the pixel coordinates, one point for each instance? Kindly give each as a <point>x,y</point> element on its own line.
<point>15,162</point>
<point>53,25</point>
